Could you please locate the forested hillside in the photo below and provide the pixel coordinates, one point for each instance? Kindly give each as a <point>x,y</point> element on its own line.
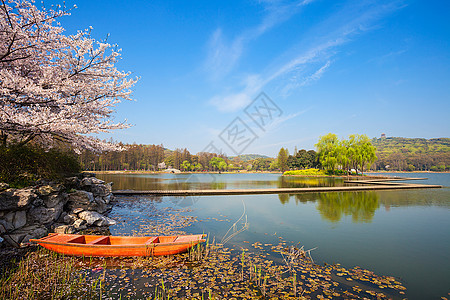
<point>248,157</point>
<point>412,154</point>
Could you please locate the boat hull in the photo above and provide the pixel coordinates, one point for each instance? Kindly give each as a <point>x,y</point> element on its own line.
<point>116,246</point>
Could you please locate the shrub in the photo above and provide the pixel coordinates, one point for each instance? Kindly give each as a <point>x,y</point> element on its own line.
<point>22,165</point>
<point>336,172</point>
<point>306,172</point>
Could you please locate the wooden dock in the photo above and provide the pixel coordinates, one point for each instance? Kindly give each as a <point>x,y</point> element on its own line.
<point>367,185</point>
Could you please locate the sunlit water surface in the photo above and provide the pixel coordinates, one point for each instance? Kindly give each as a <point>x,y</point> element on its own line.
<point>403,233</point>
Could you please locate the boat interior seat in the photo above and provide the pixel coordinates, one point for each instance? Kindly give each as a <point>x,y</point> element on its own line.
<point>187,238</point>
<point>78,239</point>
<point>152,240</point>
<point>103,240</point>
<point>161,240</point>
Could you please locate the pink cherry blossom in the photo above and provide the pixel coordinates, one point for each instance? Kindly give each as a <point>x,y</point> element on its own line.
<point>56,87</point>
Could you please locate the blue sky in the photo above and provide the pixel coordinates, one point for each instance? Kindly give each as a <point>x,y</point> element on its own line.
<point>366,67</point>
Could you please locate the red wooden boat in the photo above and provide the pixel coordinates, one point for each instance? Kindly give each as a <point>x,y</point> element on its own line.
<point>94,245</point>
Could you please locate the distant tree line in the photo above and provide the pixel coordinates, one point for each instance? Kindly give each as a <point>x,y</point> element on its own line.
<point>357,152</point>
<point>156,157</point>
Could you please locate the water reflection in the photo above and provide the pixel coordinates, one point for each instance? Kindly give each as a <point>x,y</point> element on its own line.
<point>299,182</point>
<point>360,205</point>
<point>196,181</point>
<point>333,206</point>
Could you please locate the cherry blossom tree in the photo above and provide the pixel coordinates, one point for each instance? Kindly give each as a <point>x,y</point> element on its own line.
<point>56,87</point>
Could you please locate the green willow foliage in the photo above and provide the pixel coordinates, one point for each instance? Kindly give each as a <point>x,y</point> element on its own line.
<point>355,153</point>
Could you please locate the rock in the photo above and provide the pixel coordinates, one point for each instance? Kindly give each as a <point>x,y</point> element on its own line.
<point>61,217</point>
<point>43,215</point>
<point>108,198</point>
<point>80,199</point>
<point>105,222</point>
<point>70,218</point>
<point>19,238</point>
<point>46,190</point>
<point>5,227</point>
<point>100,190</point>
<point>38,202</point>
<point>72,182</point>
<point>17,219</point>
<point>65,229</point>
<point>3,186</point>
<point>79,224</point>
<point>90,216</point>
<point>13,199</point>
<point>77,210</point>
<point>85,200</point>
<point>99,200</point>
<point>54,200</point>
<point>88,181</point>
<point>94,218</point>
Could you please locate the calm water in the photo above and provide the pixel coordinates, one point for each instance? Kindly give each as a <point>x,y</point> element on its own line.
<point>400,233</point>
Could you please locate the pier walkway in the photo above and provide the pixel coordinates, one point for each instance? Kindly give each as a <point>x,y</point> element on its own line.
<point>365,185</point>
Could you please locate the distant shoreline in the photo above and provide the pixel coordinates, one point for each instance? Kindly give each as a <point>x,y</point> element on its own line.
<point>254,172</point>
<point>192,172</point>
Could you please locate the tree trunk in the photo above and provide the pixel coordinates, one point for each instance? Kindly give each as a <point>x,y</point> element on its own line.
<point>3,137</point>
<point>27,140</point>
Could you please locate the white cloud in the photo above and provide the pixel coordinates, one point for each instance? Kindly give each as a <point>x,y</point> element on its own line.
<point>224,55</point>
<point>310,64</point>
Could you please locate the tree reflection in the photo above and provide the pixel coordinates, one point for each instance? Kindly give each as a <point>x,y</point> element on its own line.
<point>284,198</point>
<point>333,206</point>
<point>360,205</point>
<point>300,181</point>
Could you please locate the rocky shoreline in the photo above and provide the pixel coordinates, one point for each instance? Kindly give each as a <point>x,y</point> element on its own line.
<point>77,204</point>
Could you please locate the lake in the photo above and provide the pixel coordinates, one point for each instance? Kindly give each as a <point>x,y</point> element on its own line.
<point>400,233</point>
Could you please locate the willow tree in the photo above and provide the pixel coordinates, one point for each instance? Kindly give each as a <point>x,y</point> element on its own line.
<point>55,87</point>
<point>364,153</point>
<point>327,149</point>
<point>357,152</point>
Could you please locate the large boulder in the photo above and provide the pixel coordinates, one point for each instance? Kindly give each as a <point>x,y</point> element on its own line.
<point>44,215</point>
<point>72,182</point>
<point>80,199</point>
<point>53,200</point>
<point>21,237</point>
<point>69,218</point>
<point>89,181</point>
<point>101,189</point>
<point>16,218</point>
<point>79,224</point>
<point>108,198</point>
<point>86,201</point>
<point>50,188</point>
<point>13,199</point>
<point>5,227</point>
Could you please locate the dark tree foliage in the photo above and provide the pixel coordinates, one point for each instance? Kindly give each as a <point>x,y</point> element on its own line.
<point>22,165</point>
<point>303,160</point>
